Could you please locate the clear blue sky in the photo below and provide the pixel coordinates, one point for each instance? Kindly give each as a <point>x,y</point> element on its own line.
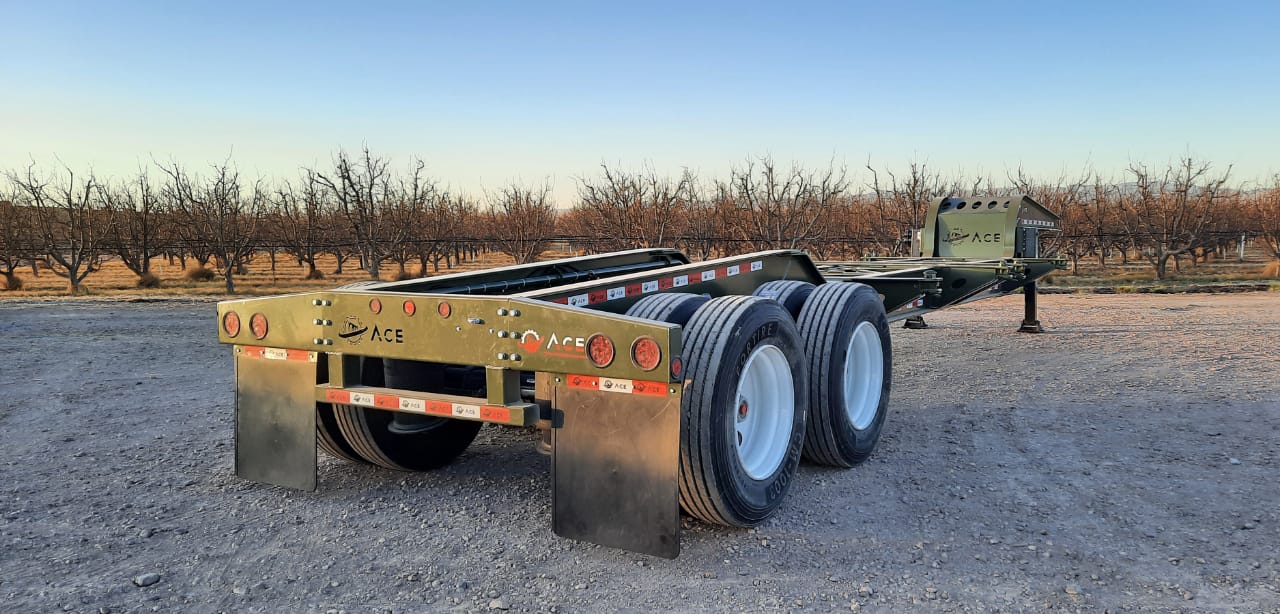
<point>489,92</point>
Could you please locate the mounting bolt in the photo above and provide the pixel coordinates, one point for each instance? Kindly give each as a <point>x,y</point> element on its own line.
<point>515,313</point>
<point>502,355</point>
<point>502,334</point>
<point>515,357</point>
<point>502,311</point>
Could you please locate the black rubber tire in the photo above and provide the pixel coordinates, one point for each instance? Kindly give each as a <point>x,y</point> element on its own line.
<point>673,307</point>
<point>328,437</point>
<point>790,292</point>
<point>368,431</point>
<point>827,323</point>
<point>714,487</point>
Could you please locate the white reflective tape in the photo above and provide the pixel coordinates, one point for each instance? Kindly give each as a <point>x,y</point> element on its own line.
<point>680,280</point>
<point>362,398</point>
<point>417,405</point>
<point>733,270</point>
<point>609,384</point>
<point>275,353</point>
<point>579,300</point>
<point>649,286</point>
<point>757,265</point>
<point>614,293</point>
<point>466,411</point>
<point>708,275</point>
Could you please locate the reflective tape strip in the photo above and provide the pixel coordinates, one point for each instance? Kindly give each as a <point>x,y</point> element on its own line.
<point>665,283</point>
<point>488,413</point>
<point>616,385</point>
<point>253,351</point>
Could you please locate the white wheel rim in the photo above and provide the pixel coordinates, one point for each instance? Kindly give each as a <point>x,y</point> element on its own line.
<point>764,411</point>
<point>863,375</point>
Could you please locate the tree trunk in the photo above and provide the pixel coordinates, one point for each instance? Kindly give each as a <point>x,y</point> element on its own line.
<point>228,272</point>
<point>10,280</point>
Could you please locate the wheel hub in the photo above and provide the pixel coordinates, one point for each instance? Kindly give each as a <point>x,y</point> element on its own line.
<point>764,412</point>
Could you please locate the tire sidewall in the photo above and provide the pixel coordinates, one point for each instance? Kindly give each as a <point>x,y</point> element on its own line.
<point>864,306</point>
<point>765,324</point>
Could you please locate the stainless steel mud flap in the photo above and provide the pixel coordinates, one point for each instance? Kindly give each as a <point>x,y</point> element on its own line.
<point>276,420</point>
<point>616,468</point>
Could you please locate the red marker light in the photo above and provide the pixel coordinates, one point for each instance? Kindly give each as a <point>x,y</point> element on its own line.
<point>410,308</point>
<point>600,350</point>
<point>646,353</point>
<point>231,323</point>
<point>375,305</point>
<point>677,367</point>
<point>444,309</point>
<point>258,325</point>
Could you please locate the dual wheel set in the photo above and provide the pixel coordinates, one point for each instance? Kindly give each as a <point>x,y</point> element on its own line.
<point>793,370</point>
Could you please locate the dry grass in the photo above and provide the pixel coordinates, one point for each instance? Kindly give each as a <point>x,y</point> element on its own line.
<point>1272,270</point>
<point>116,280</point>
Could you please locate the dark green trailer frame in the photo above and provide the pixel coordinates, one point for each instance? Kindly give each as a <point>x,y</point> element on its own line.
<point>614,427</point>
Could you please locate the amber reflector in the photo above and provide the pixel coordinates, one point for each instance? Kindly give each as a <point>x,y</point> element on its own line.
<point>258,325</point>
<point>646,353</point>
<point>231,323</point>
<point>600,350</point>
<point>375,305</point>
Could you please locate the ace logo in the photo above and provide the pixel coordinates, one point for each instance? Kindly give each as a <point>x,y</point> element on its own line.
<point>353,330</point>
<point>569,346</point>
<point>531,341</point>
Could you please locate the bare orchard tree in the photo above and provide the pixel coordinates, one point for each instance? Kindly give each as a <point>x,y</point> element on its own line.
<point>139,224</point>
<point>901,204</point>
<point>441,233</point>
<point>70,224</point>
<point>298,221</point>
<point>626,210</point>
<point>1170,213</point>
<point>1264,208</point>
<point>781,209</point>
<point>17,230</point>
<point>521,221</point>
<point>218,214</point>
<point>366,196</point>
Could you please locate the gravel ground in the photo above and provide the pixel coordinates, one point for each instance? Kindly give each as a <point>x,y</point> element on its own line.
<point>1127,461</point>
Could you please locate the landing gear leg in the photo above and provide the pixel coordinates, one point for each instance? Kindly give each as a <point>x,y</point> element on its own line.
<point>915,323</point>
<point>1029,322</point>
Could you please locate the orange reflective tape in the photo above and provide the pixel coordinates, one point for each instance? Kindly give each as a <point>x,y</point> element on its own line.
<point>585,382</point>
<point>439,408</point>
<point>386,401</point>
<point>495,414</point>
<point>337,396</point>
<point>657,389</point>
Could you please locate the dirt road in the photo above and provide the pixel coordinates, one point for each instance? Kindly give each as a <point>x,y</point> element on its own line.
<point>1127,460</point>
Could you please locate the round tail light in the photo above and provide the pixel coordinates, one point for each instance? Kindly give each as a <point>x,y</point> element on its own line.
<point>444,309</point>
<point>646,353</point>
<point>258,325</point>
<point>600,350</point>
<point>231,323</point>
